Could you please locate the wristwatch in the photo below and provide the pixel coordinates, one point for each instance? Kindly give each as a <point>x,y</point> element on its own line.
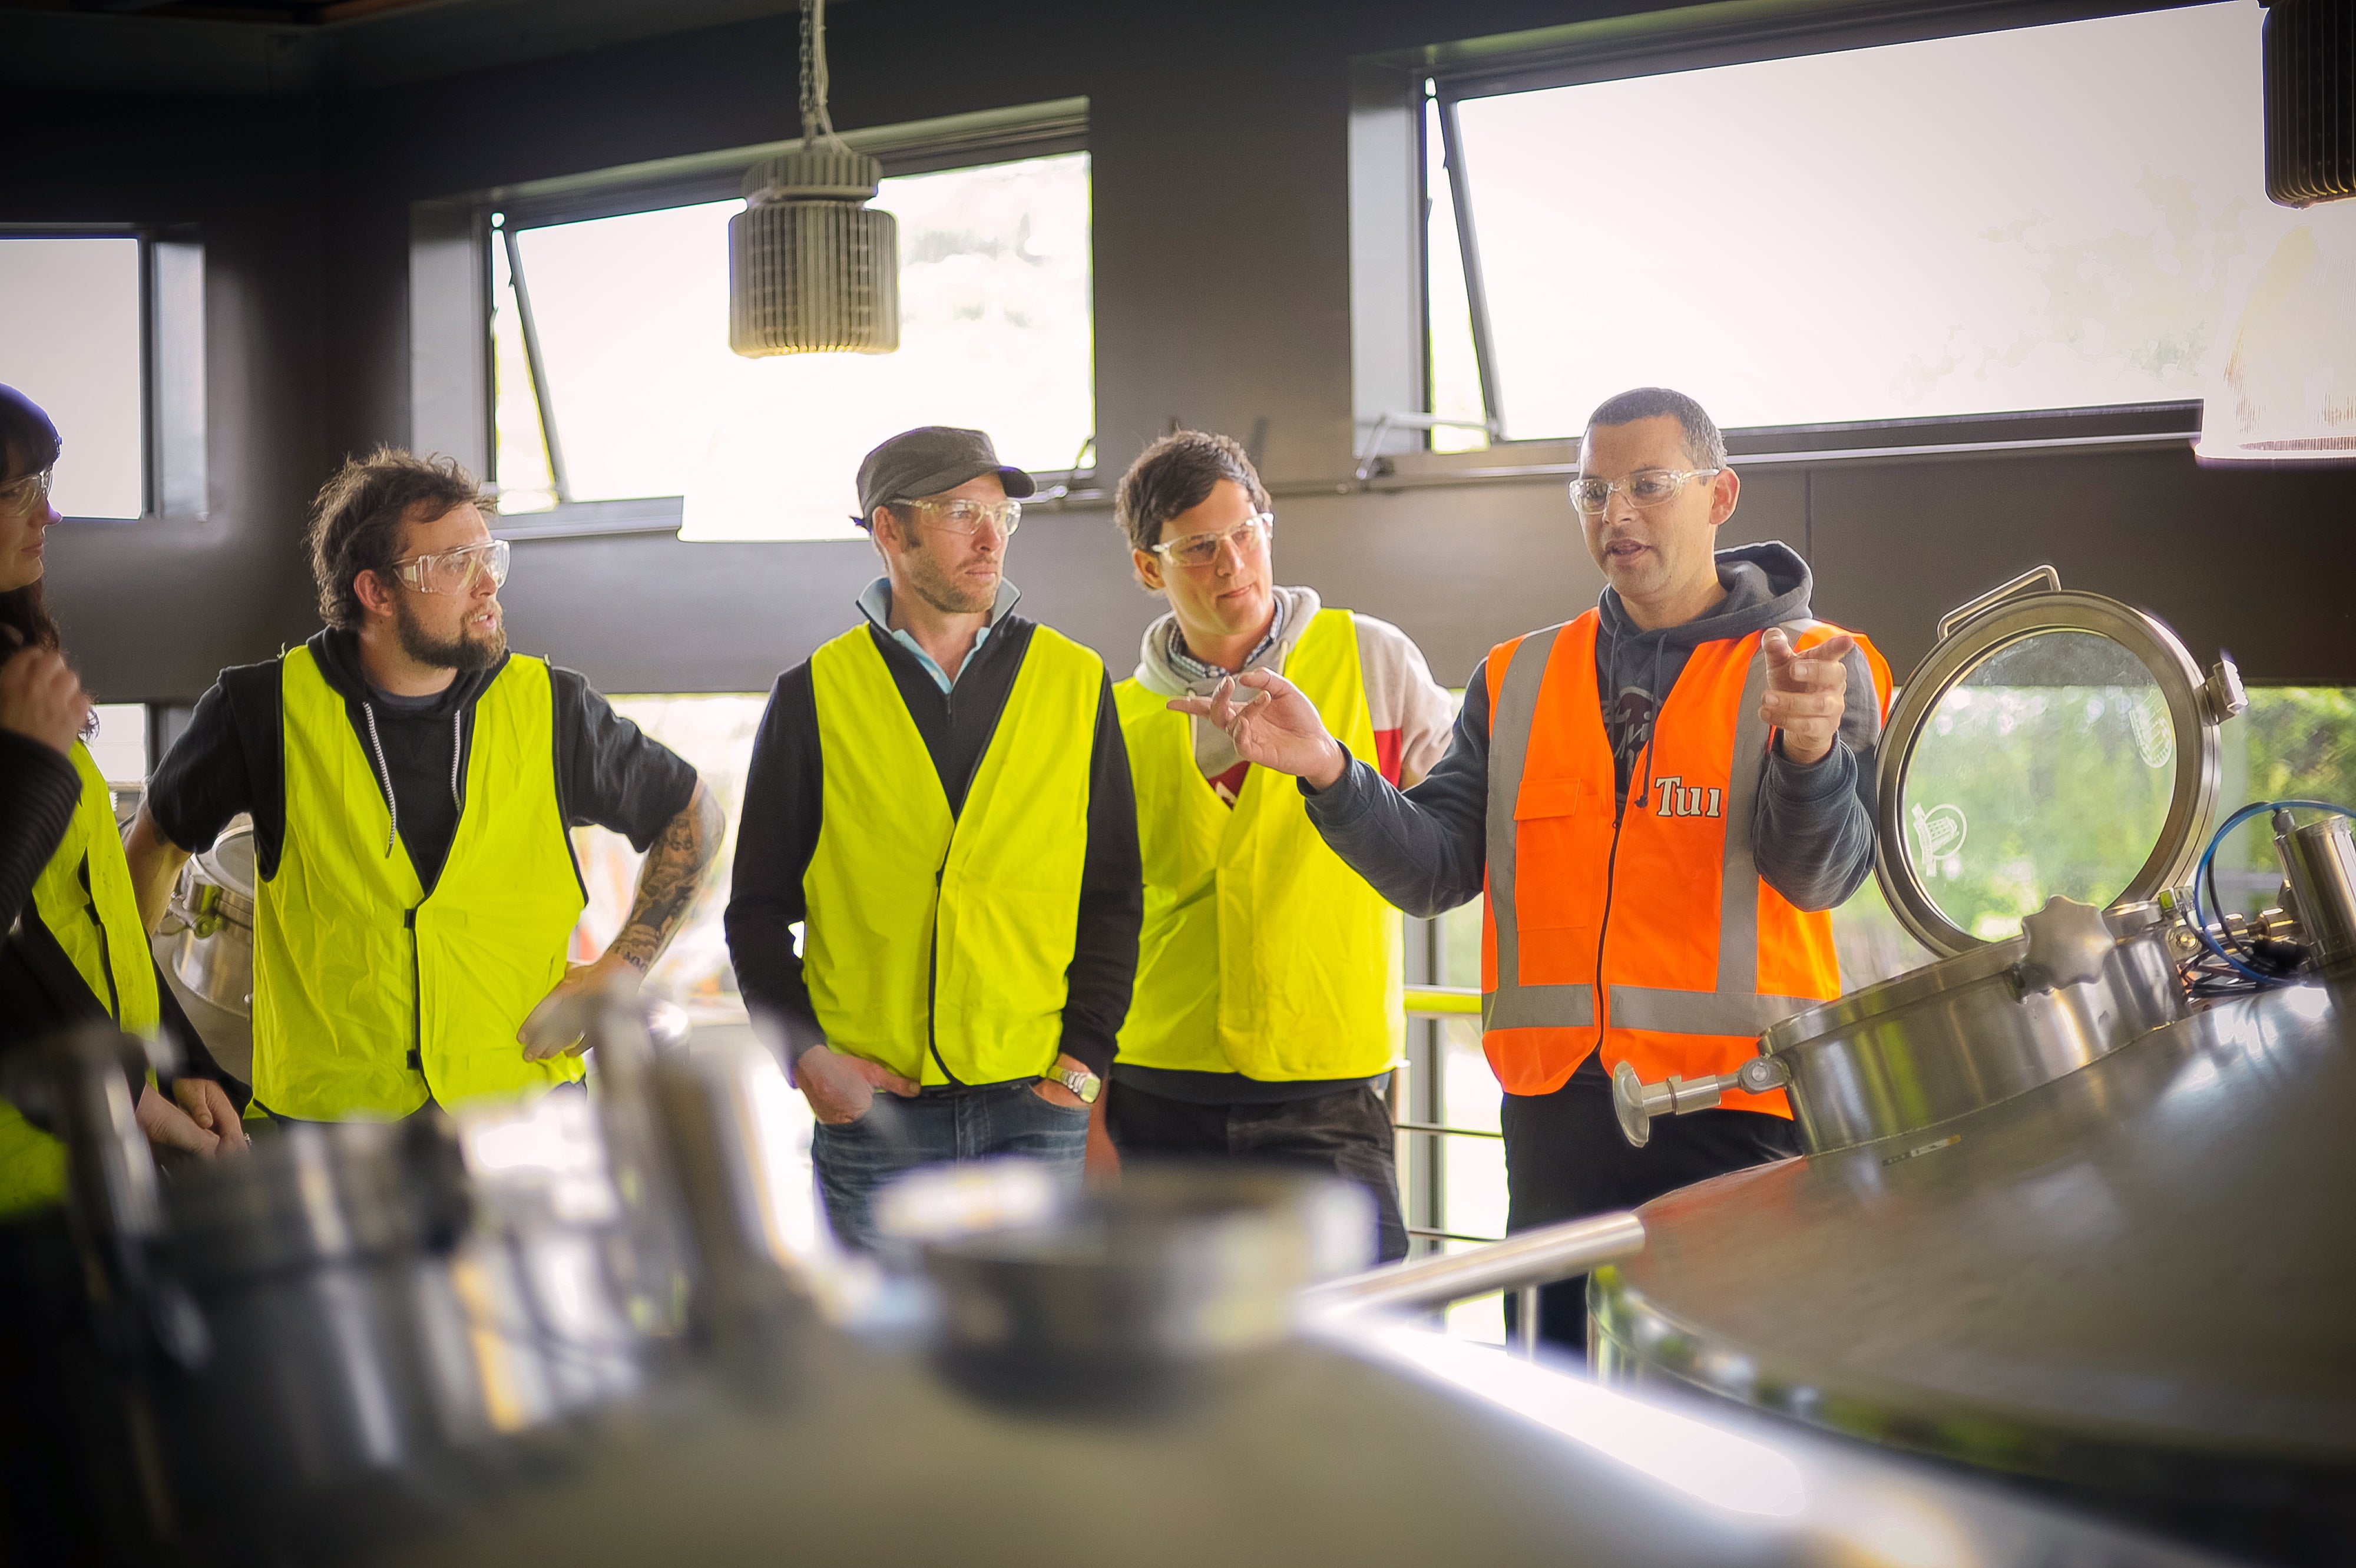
<point>1079,1081</point>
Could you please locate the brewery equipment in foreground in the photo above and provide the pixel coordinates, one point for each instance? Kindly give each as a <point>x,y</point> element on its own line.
<point>2074,1199</point>
<point>580,1331</point>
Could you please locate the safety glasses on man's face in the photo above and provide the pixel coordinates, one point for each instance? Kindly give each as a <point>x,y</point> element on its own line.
<point>962,516</point>
<point>1202,549</point>
<point>453,571</point>
<point>1646,487</point>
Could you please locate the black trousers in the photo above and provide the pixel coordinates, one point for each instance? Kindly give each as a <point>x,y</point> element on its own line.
<point>1347,1134</point>
<point>1566,1158</point>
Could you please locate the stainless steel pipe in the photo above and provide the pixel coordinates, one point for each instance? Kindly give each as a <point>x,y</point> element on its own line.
<point>2320,860</point>
<point>1531,1259</point>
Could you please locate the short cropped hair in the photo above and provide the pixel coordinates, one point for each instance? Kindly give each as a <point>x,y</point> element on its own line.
<point>1705,446</point>
<point>356,522</point>
<point>1177,474</point>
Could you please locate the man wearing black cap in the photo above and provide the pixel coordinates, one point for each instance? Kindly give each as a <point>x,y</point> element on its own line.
<point>941,797</point>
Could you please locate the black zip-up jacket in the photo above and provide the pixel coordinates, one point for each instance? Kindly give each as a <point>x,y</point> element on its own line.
<point>778,834</point>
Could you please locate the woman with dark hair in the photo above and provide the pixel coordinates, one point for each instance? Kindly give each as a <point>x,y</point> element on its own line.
<point>75,950</point>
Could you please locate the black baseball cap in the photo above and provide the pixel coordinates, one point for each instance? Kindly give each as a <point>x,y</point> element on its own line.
<point>928,460</point>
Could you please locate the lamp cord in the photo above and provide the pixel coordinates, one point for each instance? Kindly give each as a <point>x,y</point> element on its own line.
<point>815,119</point>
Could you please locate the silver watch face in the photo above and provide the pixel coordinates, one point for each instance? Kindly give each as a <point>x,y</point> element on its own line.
<point>1082,1082</point>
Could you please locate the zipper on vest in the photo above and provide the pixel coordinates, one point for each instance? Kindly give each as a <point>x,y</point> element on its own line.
<point>416,996</point>
<point>940,872</point>
<point>932,978</point>
<point>1610,875</point>
<point>105,950</point>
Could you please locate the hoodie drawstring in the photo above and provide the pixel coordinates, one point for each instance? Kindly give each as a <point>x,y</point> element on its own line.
<point>384,773</point>
<point>384,777</point>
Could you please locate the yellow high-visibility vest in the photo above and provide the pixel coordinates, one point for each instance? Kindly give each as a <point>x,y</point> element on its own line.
<point>84,898</point>
<point>1262,953</point>
<point>369,993</point>
<point>940,946</point>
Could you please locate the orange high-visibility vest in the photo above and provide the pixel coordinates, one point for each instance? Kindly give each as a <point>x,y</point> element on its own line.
<point>1651,937</point>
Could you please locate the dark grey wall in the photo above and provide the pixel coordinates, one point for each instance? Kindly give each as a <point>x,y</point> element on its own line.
<point>1218,136</point>
<point>152,610</point>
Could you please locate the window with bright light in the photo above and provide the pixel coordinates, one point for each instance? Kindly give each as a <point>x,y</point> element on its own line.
<point>2040,219</point>
<point>714,731</point>
<point>626,320</point>
<point>71,339</point>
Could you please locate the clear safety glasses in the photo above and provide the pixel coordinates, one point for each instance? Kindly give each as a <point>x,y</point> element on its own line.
<point>967,517</point>
<point>1646,487</point>
<point>25,495</point>
<point>1202,549</point>
<point>453,571</point>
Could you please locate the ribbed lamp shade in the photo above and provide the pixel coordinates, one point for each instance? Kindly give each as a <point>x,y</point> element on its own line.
<point>811,270</point>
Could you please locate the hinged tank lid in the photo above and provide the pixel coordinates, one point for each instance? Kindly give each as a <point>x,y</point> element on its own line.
<point>2050,742</point>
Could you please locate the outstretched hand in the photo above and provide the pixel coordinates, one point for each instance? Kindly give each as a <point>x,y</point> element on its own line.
<point>1806,694</point>
<point>1273,726</point>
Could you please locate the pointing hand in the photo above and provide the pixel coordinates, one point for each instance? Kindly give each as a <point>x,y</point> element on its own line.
<point>1272,724</point>
<point>1806,694</point>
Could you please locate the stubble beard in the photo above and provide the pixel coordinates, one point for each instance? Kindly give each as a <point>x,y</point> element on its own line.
<point>463,652</point>
<point>943,590</point>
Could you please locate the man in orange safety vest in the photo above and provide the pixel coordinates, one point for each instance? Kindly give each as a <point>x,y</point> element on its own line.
<point>1662,800</point>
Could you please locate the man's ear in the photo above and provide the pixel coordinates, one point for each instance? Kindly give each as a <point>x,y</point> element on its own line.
<point>373,592</point>
<point>1148,567</point>
<point>1725,489</point>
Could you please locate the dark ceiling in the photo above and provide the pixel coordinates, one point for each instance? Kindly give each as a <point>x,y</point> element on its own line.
<point>307,48</point>
<point>281,12</point>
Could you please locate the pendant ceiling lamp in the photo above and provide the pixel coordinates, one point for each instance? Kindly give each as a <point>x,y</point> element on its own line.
<point>811,268</point>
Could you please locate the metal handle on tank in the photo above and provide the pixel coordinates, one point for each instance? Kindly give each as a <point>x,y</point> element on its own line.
<point>1637,1103</point>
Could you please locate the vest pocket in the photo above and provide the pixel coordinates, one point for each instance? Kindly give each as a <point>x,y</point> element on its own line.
<point>1562,831</point>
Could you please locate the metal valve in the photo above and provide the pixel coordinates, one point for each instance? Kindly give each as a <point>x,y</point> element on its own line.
<point>1637,1103</point>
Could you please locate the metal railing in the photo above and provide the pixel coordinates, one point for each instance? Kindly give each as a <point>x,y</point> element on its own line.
<point>1522,1263</point>
<point>1440,1003</point>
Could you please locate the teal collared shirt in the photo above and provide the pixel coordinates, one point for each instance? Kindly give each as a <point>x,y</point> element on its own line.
<point>875,604</point>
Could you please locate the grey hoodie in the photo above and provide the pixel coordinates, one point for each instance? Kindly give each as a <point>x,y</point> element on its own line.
<point>1425,848</point>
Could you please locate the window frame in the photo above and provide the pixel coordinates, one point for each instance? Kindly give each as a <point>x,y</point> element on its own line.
<point>172,425</point>
<point>452,356</point>
<point>1660,43</point>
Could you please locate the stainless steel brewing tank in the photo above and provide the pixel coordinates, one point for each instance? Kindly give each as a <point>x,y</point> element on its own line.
<point>2138,1280</point>
<point>2048,1222</point>
<point>1921,1048</point>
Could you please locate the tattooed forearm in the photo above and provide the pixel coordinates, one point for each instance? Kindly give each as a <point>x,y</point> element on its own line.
<point>668,882</point>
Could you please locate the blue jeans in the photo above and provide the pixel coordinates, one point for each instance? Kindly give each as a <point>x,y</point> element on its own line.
<point>856,1158</point>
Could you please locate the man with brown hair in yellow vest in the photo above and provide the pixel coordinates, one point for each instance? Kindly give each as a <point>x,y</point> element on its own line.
<point>1662,800</point>
<point>412,784</point>
<point>1267,1008</point>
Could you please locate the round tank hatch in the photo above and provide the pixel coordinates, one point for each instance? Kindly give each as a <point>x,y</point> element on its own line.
<point>2049,743</point>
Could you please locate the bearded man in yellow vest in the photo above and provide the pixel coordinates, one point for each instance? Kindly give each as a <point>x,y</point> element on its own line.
<point>938,798</point>
<point>413,784</point>
<point>1267,1013</point>
<point>1661,799</point>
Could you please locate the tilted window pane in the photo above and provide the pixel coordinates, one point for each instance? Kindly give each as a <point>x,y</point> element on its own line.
<point>70,340</point>
<point>995,332</point>
<point>2044,218</point>
<point>526,482</point>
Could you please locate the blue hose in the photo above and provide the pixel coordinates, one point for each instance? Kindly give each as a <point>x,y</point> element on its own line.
<point>2200,876</point>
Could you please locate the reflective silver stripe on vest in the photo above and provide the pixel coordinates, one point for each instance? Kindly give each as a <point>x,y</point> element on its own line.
<point>1513,1005</point>
<point>1701,1012</point>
